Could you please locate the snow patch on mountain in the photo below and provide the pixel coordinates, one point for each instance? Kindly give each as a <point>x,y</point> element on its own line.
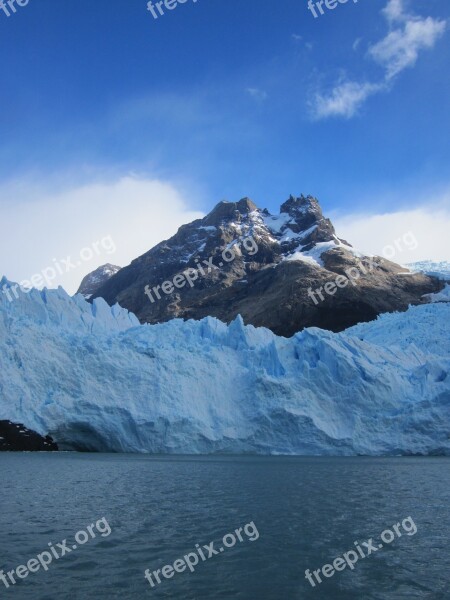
<point>314,256</point>
<point>277,223</point>
<point>95,279</point>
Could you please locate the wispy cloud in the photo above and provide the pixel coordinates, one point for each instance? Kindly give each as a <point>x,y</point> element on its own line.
<point>344,100</point>
<point>299,41</point>
<point>257,94</point>
<point>400,48</point>
<point>408,34</point>
<point>356,44</point>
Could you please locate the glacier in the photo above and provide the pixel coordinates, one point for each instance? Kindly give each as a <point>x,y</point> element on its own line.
<point>442,296</point>
<point>96,380</point>
<point>439,269</point>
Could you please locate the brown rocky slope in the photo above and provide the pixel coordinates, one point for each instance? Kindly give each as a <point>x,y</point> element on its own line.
<point>272,280</point>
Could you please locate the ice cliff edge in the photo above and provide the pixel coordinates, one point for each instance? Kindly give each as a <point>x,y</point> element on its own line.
<point>94,379</point>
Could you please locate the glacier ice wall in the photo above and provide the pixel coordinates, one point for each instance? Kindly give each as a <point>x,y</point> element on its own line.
<point>95,379</point>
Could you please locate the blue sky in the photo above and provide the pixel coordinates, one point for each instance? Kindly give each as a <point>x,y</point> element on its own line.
<point>228,98</point>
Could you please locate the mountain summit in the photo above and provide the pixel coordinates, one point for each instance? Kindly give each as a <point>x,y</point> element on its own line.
<point>96,278</point>
<point>295,272</point>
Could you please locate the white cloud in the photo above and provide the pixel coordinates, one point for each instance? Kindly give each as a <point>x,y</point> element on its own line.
<point>344,100</point>
<point>39,225</point>
<point>398,50</point>
<point>395,11</point>
<point>372,233</point>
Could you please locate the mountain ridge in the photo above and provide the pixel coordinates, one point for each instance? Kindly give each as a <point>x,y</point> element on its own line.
<point>298,252</point>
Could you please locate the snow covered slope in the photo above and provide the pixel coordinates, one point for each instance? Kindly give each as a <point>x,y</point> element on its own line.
<point>95,279</point>
<point>95,379</point>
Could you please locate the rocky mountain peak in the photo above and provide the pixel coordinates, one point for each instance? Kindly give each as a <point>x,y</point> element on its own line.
<point>296,252</point>
<point>95,279</point>
<point>227,211</point>
<point>307,220</point>
<point>301,205</point>
<point>305,211</point>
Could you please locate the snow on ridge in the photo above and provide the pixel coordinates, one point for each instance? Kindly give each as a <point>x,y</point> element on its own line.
<point>314,255</point>
<point>277,223</point>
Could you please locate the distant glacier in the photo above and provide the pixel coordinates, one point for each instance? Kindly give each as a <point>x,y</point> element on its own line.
<point>439,269</point>
<point>95,379</point>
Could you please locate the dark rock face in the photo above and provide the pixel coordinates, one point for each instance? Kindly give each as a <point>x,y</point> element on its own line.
<point>16,437</point>
<point>298,253</point>
<point>306,214</point>
<point>97,278</point>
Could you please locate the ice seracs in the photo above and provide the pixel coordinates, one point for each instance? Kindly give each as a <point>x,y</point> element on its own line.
<point>443,296</point>
<point>95,379</point>
<point>440,269</point>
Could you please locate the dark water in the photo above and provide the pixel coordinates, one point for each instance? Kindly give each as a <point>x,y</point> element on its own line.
<point>308,511</point>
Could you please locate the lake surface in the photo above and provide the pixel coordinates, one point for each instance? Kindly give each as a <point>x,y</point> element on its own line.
<point>307,512</point>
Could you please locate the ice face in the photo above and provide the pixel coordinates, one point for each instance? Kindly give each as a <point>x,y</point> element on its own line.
<point>95,379</point>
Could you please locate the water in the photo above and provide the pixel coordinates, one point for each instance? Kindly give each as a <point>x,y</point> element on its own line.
<point>308,511</point>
